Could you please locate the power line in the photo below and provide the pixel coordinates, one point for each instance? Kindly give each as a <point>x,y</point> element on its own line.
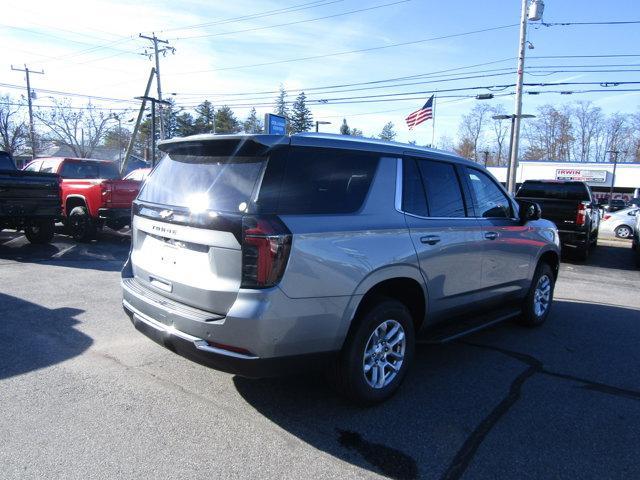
<point>565,24</point>
<point>361,50</point>
<point>70,94</point>
<point>254,29</point>
<point>269,13</point>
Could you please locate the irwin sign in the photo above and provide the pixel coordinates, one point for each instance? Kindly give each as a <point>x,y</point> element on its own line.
<point>583,175</point>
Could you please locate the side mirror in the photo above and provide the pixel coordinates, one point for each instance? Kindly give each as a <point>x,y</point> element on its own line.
<point>633,213</point>
<point>529,211</point>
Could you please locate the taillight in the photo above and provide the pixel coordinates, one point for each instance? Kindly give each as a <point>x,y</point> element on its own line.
<point>266,243</point>
<point>582,214</point>
<point>107,191</point>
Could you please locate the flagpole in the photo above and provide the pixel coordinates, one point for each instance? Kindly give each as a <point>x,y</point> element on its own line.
<point>433,124</point>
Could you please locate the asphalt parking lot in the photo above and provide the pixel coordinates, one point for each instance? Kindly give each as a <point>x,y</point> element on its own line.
<point>83,395</point>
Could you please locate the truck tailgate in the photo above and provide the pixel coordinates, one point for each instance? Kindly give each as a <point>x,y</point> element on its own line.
<point>561,212</point>
<point>29,194</point>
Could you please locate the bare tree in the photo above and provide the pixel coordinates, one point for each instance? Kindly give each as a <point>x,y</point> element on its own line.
<point>549,135</point>
<point>618,137</point>
<point>14,131</point>
<point>471,131</point>
<point>587,122</point>
<point>501,130</point>
<point>80,129</point>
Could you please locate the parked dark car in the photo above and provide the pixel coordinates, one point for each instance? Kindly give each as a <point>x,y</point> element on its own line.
<point>615,205</point>
<point>29,201</point>
<point>571,206</point>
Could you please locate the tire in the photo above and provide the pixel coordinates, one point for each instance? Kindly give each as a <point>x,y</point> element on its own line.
<point>39,231</point>
<point>623,231</point>
<point>582,253</point>
<point>81,225</point>
<point>537,304</point>
<point>349,374</point>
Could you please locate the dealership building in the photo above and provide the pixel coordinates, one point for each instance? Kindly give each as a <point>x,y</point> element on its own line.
<point>598,175</point>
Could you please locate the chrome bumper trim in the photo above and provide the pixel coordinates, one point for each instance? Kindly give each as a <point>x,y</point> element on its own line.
<point>199,343</point>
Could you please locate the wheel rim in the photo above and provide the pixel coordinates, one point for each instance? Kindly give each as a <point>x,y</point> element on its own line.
<point>384,354</point>
<point>542,295</point>
<point>624,232</point>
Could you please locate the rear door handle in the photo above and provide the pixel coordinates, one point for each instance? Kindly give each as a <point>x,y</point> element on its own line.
<point>491,235</point>
<point>430,239</point>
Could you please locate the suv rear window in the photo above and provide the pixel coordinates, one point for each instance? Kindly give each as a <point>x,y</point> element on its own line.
<point>565,191</point>
<point>202,182</point>
<point>325,181</point>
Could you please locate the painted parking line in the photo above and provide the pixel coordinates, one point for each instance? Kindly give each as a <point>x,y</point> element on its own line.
<point>63,251</point>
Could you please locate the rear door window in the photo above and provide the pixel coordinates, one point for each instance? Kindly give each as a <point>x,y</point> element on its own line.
<point>325,181</point>
<point>441,184</point>
<point>108,171</point>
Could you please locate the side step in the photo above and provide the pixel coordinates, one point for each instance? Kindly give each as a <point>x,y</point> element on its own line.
<point>457,329</point>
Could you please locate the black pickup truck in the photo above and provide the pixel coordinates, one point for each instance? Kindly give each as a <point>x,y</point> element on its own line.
<point>29,201</point>
<point>571,206</point>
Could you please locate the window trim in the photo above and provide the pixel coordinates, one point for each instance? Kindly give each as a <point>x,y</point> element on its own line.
<point>512,207</point>
<point>399,191</point>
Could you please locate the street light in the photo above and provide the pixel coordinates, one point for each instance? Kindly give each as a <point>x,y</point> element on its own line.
<point>115,116</point>
<point>511,169</point>
<point>321,122</point>
<point>614,155</point>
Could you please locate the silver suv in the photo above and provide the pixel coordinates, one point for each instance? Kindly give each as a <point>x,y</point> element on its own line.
<point>260,254</point>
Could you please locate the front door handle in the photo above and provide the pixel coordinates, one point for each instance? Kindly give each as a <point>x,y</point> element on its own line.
<point>430,239</point>
<point>491,235</point>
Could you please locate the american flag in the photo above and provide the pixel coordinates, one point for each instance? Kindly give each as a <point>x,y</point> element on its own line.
<point>425,113</point>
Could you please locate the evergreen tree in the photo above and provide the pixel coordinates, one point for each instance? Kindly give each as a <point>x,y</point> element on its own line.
<point>169,117</point>
<point>226,121</point>
<point>344,128</point>
<point>253,124</point>
<point>280,108</point>
<point>388,132</point>
<point>301,118</point>
<point>185,125</point>
<point>356,132</point>
<point>204,122</point>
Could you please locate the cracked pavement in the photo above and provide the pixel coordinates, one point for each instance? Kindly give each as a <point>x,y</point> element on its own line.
<point>83,395</point>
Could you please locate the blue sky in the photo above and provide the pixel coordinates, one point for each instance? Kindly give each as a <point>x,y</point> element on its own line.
<point>93,49</point>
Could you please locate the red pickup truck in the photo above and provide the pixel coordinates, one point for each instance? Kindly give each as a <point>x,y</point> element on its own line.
<point>93,194</point>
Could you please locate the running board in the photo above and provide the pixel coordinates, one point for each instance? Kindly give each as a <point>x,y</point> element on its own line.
<point>452,331</point>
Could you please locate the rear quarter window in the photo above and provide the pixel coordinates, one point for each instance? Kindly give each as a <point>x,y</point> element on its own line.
<point>325,181</point>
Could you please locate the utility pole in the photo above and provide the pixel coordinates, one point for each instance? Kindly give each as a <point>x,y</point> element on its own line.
<point>537,8</point>
<point>614,155</point>
<point>156,53</point>
<point>153,123</point>
<point>132,141</point>
<point>32,132</point>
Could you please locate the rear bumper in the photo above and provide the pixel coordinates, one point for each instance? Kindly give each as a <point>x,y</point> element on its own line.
<point>117,214</point>
<point>273,334</point>
<point>569,238</point>
<point>199,351</point>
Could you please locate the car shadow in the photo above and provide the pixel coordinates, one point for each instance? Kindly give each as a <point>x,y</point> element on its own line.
<point>616,256</point>
<point>450,401</point>
<point>107,253</point>
<point>34,337</point>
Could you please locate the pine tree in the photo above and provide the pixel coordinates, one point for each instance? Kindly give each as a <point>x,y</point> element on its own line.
<point>206,117</point>
<point>356,132</point>
<point>344,128</point>
<point>388,133</point>
<point>185,125</point>
<point>301,118</point>
<point>253,124</point>
<point>169,117</point>
<point>280,108</point>
<point>226,121</point>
